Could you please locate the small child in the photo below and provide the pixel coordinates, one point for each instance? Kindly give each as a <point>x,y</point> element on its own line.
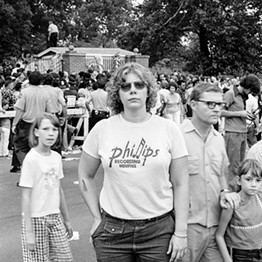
<point>44,233</point>
<point>240,230</point>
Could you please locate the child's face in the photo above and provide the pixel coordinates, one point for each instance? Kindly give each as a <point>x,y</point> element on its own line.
<point>250,185</point>
<point>47,133</point>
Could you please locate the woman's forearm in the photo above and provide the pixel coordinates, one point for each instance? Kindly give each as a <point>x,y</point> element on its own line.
<point>181,206</point>
<point>90,195</point>
<point>87,169</point>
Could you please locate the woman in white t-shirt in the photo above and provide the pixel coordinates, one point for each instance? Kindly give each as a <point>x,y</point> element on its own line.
<point>141,214</point>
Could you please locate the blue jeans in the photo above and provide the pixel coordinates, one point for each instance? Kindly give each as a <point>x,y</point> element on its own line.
<point>133,240</point>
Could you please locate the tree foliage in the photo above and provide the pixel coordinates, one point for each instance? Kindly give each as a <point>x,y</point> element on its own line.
<point>228,34</point>
<point>104,20</point>
<point>223,36</point>
<point>15,21</point>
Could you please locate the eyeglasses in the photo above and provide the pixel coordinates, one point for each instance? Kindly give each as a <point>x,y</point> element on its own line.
<point>125,87</point>
<point>212,104</point>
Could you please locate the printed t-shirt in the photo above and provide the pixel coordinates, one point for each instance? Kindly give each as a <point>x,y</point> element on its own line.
<point>42,174</point>
<point>136,159</point>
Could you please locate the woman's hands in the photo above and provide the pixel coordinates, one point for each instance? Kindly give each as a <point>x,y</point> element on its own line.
<point>177,247</point>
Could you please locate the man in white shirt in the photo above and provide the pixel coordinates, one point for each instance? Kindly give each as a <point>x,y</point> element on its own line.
<point>52,34</point>
<point>252,125</point>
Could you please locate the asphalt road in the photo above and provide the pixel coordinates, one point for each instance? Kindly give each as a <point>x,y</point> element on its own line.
<point>10,212</point>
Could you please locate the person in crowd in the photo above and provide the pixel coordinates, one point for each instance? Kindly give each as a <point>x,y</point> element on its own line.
<point>143,207</point>
<point>208,169</point>
<point>99,102</point>
<point>173,105</point>
<point>190,87</point>
<point>16,68</point>
<point>159,106</point>
<point>239,233</point>
<point>15,162</point>
<point>72,87</point>
<point>252,126</point>
<point>4,128</point>
<point>64,79</point>
<point>86,85</point>
<point>17,90</point>
<point>181,90</point>
<point>53,34</point>
<point>7,101</point>
<point>255,152</point>
<point>45,222</point>
<point>34,100</point>
<point>57,101</point>
<point>235,126</point>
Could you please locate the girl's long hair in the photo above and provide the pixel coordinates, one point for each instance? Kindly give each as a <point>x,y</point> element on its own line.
<point>33,139</point>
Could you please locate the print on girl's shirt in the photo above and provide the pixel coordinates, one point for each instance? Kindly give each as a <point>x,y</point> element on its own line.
<point>51,178</point>
<point>131,155</point>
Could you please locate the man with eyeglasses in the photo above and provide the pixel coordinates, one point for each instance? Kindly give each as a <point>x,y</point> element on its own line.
<point>235,114</point>
<point>208,168</point>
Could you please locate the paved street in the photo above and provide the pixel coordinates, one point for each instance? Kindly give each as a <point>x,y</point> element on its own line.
<point>10,212</point>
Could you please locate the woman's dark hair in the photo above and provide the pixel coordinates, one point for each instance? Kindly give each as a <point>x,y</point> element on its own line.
<point>174,84</point>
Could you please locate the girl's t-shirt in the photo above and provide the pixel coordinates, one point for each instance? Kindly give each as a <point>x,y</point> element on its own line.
<point>245,227</point>
<point>42,174</point>
<point>136,158</point>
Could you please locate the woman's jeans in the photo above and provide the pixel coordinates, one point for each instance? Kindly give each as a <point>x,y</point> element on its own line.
<point>133,240</point>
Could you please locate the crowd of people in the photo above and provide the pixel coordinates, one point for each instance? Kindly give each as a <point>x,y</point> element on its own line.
<point>178,185</point>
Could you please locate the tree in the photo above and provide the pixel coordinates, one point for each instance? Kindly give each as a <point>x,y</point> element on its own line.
<point>152,32</point>
<point>228,33</point>
<point>63,13</point>
<point>104,20</point>
<point>15,21</point>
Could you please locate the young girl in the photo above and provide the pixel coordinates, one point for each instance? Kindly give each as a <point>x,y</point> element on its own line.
<point>44,236</point>
<point>240,230</point>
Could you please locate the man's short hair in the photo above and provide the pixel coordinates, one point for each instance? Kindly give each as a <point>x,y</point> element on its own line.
<point>202,88</point>
<point>35,78</point>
